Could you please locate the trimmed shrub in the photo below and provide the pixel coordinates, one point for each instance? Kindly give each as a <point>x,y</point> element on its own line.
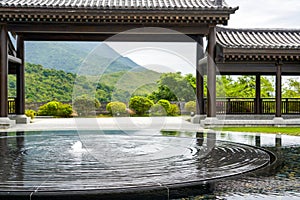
<point>158,110</point>
<point>190,106</point>
<point>115,108</point>
<point>84,105</point>
<point>30,113</point>
<point>173,110</point>
<point>65,110</point>
<point>56,109</point>
<point>140,105</point>
<point>165,104</point>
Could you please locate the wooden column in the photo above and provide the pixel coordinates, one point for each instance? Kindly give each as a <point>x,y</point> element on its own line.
<point>211,74</point>
<point>3,71</point>
<point>20,76</point>
<point>278,89</point>
<point>257,94</point>
<point>199,78</point>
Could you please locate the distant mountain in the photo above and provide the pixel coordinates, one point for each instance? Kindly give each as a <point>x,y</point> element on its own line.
<point>87,57</point>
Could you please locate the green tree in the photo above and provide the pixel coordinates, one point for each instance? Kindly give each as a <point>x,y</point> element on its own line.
<point>292,90</point>
<point>175,87</point>
<point>243,87</point>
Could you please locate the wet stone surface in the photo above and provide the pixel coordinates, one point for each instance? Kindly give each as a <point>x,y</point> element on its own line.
<point>283,184</point>
<point>61,161</point>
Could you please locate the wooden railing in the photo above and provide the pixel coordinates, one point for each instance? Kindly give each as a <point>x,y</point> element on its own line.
<point>231,105</point>
<point>11,105</point>
<point>247,106</point>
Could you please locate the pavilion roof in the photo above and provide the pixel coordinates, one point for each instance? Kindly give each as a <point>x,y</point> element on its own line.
<point>120,4</point>
<point>258,44</point>
<point>132,11</point>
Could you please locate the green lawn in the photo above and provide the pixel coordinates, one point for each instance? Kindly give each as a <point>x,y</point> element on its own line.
<point>282,130</point>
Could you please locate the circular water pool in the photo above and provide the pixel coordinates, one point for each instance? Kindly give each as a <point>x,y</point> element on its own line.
<point>94,164</point>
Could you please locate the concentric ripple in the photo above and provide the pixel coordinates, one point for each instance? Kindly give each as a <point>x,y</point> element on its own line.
<point>59,161</point>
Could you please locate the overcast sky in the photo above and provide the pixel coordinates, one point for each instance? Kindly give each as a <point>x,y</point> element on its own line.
<point>181,57</point>
<point>265,14</point>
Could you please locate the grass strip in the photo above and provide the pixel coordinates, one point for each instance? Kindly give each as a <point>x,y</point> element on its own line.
<point>276,130</point>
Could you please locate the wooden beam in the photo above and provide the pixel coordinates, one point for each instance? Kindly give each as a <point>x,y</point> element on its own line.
<point>107,29</point>
<point>108,37</point>
<point>254,68</point>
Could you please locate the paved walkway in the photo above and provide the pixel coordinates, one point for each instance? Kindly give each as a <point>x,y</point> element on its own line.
<point>120,123</point>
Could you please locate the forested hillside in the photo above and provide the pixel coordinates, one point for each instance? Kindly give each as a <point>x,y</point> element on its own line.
<point>44,84</point>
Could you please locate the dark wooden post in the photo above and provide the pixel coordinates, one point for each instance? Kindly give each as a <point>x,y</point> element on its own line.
<point>20,73</point>
<point>278,141</point>
<point>211,74</point>
<point>3,71</point>
<point>257,140</point>
<point>199,78</point>
<point>257,94</point>
<point>278,89</point>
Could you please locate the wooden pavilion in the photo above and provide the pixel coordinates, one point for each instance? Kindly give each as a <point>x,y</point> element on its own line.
<point>229,51</point>
<point>97,20</point>
<point>259,52</point>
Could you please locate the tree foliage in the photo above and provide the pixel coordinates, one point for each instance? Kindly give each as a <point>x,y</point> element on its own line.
<point>292,90</point>
<point>174,87</point>
<point>244,87</point>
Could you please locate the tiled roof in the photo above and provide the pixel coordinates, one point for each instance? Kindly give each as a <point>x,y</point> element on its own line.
<point>258,38</point>
<point>258,45</point>
<point>121,4</point>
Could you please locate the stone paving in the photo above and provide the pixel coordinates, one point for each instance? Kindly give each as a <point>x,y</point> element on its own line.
<point>113,123</point>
